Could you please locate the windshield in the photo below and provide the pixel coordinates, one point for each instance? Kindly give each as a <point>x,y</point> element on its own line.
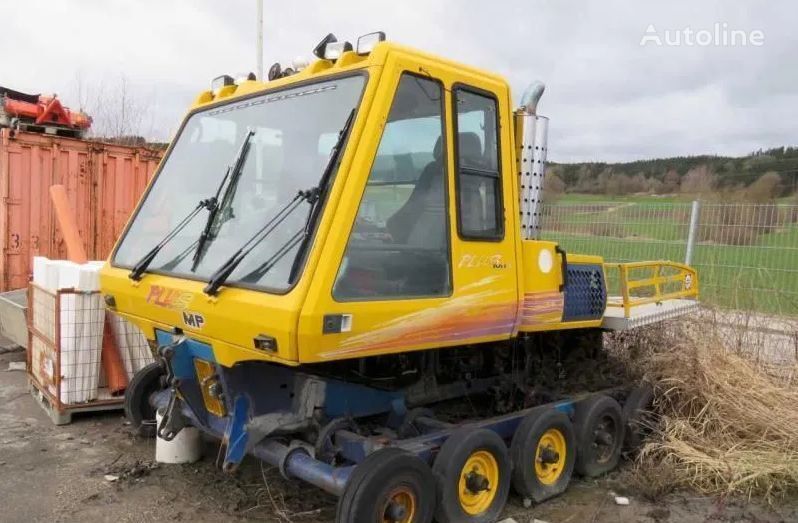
<point>289,136</point>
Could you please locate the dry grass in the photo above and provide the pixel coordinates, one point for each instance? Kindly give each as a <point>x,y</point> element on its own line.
<point>727,420</point>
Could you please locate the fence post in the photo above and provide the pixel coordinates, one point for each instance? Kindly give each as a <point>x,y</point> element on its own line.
<point>691,233</point>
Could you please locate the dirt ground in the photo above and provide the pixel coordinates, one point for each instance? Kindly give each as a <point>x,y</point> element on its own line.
<point>57,474</point>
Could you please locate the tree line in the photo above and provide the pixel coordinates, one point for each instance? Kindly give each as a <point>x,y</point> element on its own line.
<point>761,176</point>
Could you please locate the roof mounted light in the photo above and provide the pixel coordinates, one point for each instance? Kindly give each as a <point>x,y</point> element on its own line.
<point>221,81</point>
<point>300,62</point>
<point>367,42</point>
<point>319,49</point>
<point>275,71</point>
<point>334,50</point>
<point>244,77</point>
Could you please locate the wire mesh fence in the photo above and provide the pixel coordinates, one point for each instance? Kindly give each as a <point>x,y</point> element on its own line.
<point>746,254</point>
<point>66,339</point>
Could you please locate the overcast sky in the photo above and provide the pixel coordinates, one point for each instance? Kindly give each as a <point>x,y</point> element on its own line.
<point>609,97</point>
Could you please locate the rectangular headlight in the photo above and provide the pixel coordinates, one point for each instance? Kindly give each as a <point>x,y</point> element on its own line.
<point>334,50</point>
<point>220,81</point>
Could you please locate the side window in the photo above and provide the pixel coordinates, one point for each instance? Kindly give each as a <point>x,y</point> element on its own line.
<point>480,214</point>
<point>399,244</point>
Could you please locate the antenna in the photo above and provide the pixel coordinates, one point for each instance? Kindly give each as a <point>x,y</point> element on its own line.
<point>259,52</point>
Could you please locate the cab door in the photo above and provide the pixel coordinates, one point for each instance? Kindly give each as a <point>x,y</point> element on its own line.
<point>484,227</point>
<point>403,279</point>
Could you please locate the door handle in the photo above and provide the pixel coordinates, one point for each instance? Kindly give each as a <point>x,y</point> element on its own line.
<point>564,261</point>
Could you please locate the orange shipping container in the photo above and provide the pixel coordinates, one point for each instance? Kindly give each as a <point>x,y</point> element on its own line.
<point>103,181</point>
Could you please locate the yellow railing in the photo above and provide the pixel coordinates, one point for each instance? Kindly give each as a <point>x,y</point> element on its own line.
<point>660,280</point>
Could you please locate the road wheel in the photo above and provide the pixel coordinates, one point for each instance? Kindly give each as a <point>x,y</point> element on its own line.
<point>543,453</point>
<point>599,435</point>
<point>472,471</point>
<point>637,416</point>
<point>389,486</point>
<point>137,398</point>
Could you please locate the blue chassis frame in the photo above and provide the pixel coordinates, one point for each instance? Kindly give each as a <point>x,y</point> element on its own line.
<point>339,399</point>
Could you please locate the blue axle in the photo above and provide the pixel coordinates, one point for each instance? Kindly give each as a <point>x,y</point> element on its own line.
<point>264,402</point>
<point>293,462</point>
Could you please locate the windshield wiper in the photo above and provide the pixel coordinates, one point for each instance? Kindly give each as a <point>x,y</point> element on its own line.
<point>174,262</point>
<point>229,185</point>
<point>312,196</point>
<point>212,204</point>
<point>278,255</point>
<point>222,273</point>
<point>321,193</point>
<point>141,265</point>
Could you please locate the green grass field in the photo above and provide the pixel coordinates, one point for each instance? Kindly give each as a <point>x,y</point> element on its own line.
<point>647,199</point>
<point>742,262</point>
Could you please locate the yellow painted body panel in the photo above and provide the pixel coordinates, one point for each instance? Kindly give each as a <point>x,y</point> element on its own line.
<point>237,315</point>
<point>542,304</point>
<point>483,303</point>
<point>498,287</point>
<point>231,323</point>
<point>542,300</point>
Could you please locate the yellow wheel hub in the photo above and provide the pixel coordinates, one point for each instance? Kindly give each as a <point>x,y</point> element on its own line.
<point>550,457</point>
<point>479,481</point>
<point>400,506</point>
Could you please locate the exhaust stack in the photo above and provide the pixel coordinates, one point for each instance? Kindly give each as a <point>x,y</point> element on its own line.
<point>531,140</point>
<point>531,97</point>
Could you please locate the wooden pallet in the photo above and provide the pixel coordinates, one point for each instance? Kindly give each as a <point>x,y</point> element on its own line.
<point>63,415</point>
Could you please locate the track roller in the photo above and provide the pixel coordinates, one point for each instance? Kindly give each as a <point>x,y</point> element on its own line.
<point>472,471</point>
<point>389,486</point>
<point>543,452</point>
<point>599,435</point>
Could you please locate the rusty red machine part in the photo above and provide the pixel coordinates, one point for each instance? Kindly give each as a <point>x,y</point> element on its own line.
<point>24,110</point>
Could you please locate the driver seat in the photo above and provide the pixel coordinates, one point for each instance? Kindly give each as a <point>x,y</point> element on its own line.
<point>426,195</point>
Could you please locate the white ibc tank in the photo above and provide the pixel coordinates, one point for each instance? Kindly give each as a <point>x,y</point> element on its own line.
<point>186,447</point>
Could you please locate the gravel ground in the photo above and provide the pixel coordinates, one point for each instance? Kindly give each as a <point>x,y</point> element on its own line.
<point>58,474</point>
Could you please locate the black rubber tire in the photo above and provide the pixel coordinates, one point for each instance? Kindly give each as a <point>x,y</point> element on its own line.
<point>593,461</point>
<point>449,465</point>
<point>637,416</point>
<point>374,480</point>
<point>523,452</point>
<point>137,399</point>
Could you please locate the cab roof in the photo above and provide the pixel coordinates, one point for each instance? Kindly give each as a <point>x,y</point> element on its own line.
<point>321,68</point>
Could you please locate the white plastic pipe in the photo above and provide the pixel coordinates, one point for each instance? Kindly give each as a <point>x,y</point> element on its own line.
<point>186,447</point>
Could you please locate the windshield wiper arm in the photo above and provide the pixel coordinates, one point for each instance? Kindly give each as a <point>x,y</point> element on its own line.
<point>229,184</point>
<point>278,255</point>
<point>174,262</point>
<point>222,273</point>
<point>321,192</point>
<point>141,265</point>
<point>212,204</point>
<point>312,196</point>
